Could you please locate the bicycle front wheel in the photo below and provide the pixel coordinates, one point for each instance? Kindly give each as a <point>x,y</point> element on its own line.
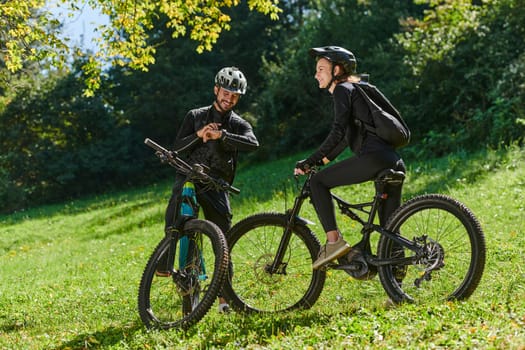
<point>452,260</point>
<point>179,293</point>
<point>252,285</point>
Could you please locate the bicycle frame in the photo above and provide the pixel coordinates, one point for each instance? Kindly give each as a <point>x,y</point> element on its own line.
<point>187,269</point>
<point>173,232</point>
<point>369,227</point>
<point>195,173</point>
<point>348,209</point>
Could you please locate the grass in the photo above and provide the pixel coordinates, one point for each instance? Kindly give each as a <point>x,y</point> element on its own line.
<point>70,272</point>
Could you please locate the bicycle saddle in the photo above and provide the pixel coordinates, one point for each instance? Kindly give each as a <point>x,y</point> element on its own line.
<point>391,176</point>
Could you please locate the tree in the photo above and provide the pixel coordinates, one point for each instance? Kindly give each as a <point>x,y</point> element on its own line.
<point>56,144</point>
<point>296,115</point>
<point>467,85</point>
<point>29,32</point>
<point>155,102</point>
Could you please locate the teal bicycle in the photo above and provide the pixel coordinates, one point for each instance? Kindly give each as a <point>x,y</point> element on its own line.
<point>186,270</point>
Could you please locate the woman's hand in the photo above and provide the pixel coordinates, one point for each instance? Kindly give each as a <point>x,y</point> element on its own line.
<point>302,167</point>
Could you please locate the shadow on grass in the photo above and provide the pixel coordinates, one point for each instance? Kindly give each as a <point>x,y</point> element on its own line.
<point>130,214</point>
<point>12,326</point>
<point>217,331</point>
<point>150,194</point>
<point>100,339</point>
<point>214,333</point>
<point>245,330</point>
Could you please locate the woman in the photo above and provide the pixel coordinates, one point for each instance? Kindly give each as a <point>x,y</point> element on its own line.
<point>336,72</point>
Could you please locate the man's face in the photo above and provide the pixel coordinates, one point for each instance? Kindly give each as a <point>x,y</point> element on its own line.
<point>323,73</point>
<point>226,100</point>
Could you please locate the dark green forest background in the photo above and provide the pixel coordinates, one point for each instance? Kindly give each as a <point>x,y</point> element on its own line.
<point>455,69</point>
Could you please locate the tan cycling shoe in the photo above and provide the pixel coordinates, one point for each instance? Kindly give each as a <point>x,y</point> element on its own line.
<point>331,251</point>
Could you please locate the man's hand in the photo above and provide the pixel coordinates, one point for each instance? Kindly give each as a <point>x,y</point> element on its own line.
<point>212,135</point>
<point>210,132</point>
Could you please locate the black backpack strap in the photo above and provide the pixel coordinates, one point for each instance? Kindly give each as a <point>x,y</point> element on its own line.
<point>379,99</point>
<point>371,105</point>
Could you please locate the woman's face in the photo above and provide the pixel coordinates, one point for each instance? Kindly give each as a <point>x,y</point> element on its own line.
<point>323,73</point>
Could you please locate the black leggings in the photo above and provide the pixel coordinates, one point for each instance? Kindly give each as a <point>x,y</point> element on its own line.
<point>351,171</point>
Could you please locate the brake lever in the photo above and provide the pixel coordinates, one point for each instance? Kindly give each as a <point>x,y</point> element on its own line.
<point>163,158</point>
<point>224,185</point>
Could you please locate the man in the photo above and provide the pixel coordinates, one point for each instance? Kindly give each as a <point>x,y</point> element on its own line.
<point>213,136</point>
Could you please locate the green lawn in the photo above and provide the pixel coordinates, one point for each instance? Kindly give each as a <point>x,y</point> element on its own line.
<point>70,272</point>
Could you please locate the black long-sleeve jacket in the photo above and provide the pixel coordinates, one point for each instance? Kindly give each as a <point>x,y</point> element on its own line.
<point>347,129</point>
<point>219,155</point>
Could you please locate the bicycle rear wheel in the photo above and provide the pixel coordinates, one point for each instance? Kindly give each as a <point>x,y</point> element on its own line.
<point>453,257</point>
<point>252,287</point>
<point>182,296</point>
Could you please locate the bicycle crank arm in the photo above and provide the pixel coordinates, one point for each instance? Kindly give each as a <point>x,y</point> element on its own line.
<point>396,261</point>
<point>347,267</point>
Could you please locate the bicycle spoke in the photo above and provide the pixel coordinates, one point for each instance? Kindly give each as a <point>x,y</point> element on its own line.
<point>454,251</point>
<point>253,286</point>
<point>199,269</point>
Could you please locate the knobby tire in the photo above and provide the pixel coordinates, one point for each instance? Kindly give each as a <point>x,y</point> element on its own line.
<point>162,303</point>
<point>253,243</point>
<point>456,249</point>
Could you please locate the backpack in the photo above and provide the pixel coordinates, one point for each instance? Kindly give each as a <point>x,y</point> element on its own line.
<point>388,125</point>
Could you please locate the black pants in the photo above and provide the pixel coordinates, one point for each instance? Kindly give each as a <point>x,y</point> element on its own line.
<point>351,171</point>
<point>214,204</point>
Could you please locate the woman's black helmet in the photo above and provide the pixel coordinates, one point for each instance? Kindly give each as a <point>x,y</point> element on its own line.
<point>336,55</point>
<point>231,79</point>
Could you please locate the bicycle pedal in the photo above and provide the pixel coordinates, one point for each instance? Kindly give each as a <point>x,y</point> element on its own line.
<point>162,273</point>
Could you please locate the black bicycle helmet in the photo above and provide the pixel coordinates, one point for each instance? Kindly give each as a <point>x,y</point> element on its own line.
<point>231,79</point>
<point>336,55</point>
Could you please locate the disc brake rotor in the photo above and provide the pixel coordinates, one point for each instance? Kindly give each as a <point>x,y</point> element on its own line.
<point>261,269</point>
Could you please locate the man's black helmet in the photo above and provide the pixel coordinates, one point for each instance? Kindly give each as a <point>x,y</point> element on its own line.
<point>336,55</point>
<point>231,79</point>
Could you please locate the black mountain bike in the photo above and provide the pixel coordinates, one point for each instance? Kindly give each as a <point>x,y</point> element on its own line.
<point>187,268</point>
<point>431,247</point>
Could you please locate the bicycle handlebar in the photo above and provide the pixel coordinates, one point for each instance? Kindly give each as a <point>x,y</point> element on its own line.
<point>197,172</point>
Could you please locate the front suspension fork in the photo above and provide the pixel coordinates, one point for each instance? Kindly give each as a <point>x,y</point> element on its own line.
<point>278,266</point>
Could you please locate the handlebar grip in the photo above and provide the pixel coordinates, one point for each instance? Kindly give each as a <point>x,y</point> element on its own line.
<point>234,190</point>
<point>155,146</point>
